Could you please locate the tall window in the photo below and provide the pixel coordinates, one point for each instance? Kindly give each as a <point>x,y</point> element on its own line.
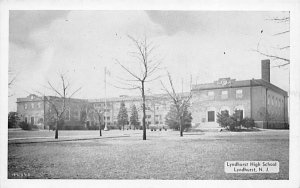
<point>68,115</point>
<point>25,106</point>
<point>240,114</point>
<point>211,116</point>
<point>224,95</point>
<point>239,93</point>
<point>32,105</point>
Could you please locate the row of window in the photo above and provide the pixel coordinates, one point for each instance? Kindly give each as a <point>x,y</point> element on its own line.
<point>224,94</point>
<point>277,102</point>
<point>211,115</point>
<point>33,120</point>
<point>32,105</point>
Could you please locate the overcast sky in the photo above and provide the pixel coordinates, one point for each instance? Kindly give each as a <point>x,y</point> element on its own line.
<point>205,45</point>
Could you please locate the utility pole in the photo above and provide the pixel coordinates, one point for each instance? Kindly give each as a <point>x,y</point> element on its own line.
<point>105,102</point>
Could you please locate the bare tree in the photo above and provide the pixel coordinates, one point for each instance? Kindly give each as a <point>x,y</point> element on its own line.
<point>98,114</point>
<point>148,66</point>
<point>284,61</point>
<point>180,101</point>
<point>59,104</point>
<point>11,81</point>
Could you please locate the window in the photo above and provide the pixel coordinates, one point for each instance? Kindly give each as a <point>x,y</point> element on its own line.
<point>32,105</point>
<point>108,118</point>
<point>240,111</point>
<point>224,95</point>
<point>239,114</point>
<point>269,100</point>
<point>31,97</point>
<point>41,120</point>
<point>25,120</point>
<point>68,115</point>
<point>32,120</point>
<point>148,116</point>
<point>25,106</point>
<point>272,101</point>
<point>211,95</point>
<point>39,105</point>
<point>211,116</point>
<point>239,93</point>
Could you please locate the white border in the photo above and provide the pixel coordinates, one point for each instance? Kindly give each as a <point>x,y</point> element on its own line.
<point>254,5</point>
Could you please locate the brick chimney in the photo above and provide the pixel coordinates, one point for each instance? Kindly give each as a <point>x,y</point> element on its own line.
<point>265,70</point>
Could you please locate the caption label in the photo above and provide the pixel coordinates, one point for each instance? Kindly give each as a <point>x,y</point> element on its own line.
<point>251,166</point>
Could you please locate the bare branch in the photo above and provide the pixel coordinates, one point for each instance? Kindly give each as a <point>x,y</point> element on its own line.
<point>282,65</point>
<point>12,81</point>
<point>54,89</point>
<point>127,70</point>
<point>285,47</point>
<point>75,92</point>
<point>273,56</point>
<point>127,88</point>
<point>280,33</point>
<point>154,79</point>
<point>168,92</point>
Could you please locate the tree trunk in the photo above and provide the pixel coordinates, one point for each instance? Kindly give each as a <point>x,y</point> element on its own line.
<point>56,130</point>
<point>144,112</point>
<point>100,126</point>
<point>180,125</point>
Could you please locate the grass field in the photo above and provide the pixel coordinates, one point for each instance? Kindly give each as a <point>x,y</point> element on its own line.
<point>164,155</point>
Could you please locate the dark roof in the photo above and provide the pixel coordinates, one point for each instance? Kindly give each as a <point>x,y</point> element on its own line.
<point>232,83</point>
<point>134,98</point>
<point>41,98</point>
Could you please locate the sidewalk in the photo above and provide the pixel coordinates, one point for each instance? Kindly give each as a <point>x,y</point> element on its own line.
<point>30,140</point>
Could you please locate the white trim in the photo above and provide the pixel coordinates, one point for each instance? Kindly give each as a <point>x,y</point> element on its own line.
<point>225,108</point>
<point>240,107</point>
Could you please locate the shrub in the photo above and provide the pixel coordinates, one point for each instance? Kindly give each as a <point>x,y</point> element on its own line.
<point>226,121</point>
<point>248,122</point>
<point>222,119</point>
<point>52,125</point>
<point>13,119</point>
<point>110,127</point>
<point>25,126</point>
<point>172,119</point>
<point>232,122</point>
<point>76,127</point>
<point>93,126</point>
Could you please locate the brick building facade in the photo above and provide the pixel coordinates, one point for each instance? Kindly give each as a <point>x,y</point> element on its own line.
<point>38,111</point>
<point>255,98</point>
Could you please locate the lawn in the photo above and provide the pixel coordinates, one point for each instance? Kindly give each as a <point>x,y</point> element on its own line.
<point>164,155</point>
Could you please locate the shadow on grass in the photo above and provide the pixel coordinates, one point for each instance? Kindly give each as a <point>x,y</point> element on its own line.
<point>243,129</point>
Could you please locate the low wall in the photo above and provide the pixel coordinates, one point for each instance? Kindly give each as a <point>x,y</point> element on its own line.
<point>271,125</point>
